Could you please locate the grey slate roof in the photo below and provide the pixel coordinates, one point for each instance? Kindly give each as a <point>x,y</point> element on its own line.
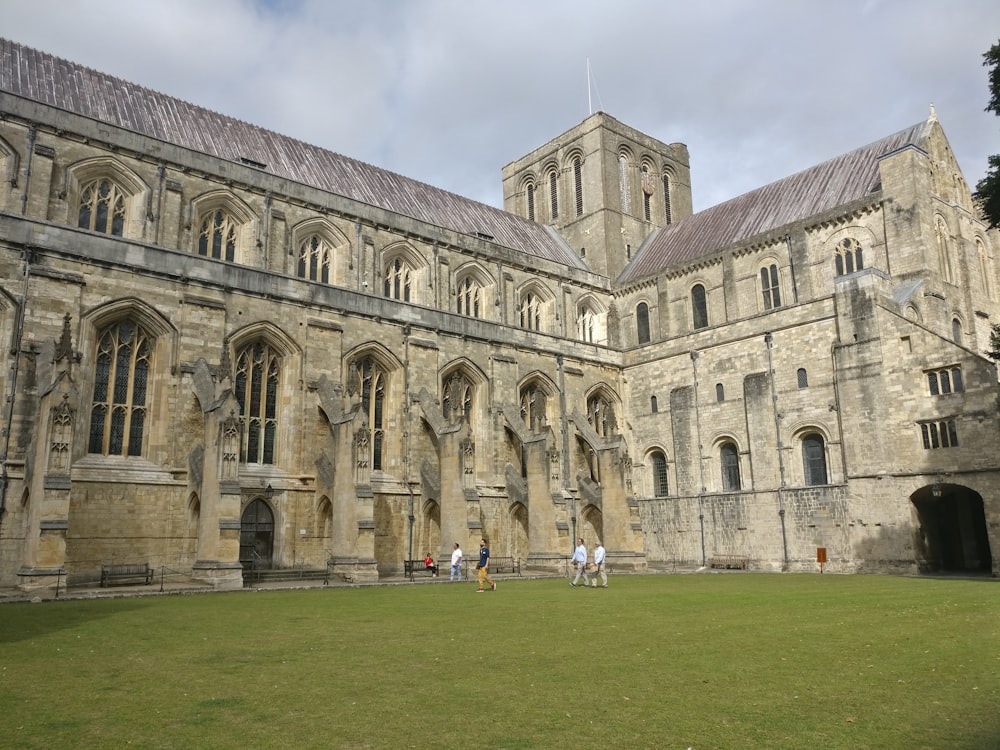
<point>812,191</point>
<point>66,85</point>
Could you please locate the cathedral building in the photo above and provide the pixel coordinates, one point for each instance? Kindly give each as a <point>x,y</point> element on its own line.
<point>228,350</point>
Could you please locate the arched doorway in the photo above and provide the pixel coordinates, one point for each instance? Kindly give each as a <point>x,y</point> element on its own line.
<point>952,535</point>
<point>257,535</point>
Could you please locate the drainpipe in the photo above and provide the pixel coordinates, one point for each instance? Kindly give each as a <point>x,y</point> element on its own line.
<point>14,369</point>
<point>406,438</point>
<point>701,466</point>
<point>32,133</point>
<point>769,341</point>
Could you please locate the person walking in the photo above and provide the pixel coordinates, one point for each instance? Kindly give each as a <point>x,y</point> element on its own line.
<point>484,567</point>
<point>456,563</point>
<point>599,565</point>
<point>580,560</point>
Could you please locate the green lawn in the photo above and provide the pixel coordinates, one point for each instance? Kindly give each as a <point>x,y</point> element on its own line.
<point>743,661</point>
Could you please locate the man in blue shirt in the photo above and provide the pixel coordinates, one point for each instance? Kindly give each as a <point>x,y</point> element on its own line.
<point>580,561</point>
<point>484,567</point>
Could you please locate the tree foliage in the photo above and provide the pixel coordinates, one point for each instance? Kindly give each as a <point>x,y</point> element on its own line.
<point>988,188</point>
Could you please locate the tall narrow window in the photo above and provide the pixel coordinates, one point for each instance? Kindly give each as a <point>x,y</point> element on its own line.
<point>578,185</point>
<point>814,459</point>
<point>647,193</point>
<point>667,215</point>
<point>469,297</point>
<point>531,312</point>
<point>943,248</point>
<point>121,374</point>
<point>585,324</point>
<point>530,191</point>
<point>730,460</point>
<point>659,465</point>
<point>102,208</point>
<point>769,287</point>
<point>642,322</point>
<point>802,377</point>
<point>553,195</point>
<point>848,257</point>
<point>533,407</point>
<point>623,183</point>
<point>720,392</point>
<point>956,330</point>
<point>255,386</point>
<point>373,386</point>
<point>699,306</point>
<point>315,259</point>
<point>398,278</point>
<point>217,237</point>
<point>653,407</point>
<point>985,275</point>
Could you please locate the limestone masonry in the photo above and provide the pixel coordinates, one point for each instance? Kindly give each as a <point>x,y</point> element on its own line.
<point>227,350</point>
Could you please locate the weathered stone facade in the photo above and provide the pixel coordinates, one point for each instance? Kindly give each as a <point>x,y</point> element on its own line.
<point>228,348</point>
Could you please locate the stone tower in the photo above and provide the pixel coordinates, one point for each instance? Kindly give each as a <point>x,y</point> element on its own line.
<point>604,186</point>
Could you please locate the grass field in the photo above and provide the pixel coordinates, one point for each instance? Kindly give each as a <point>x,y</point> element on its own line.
<point>740,661</point>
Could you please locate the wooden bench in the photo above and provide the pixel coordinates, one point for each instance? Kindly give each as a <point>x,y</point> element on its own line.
<point>728,562</point>
<point>416,566</point>
<point>505,565</point>
<point>126,573</point>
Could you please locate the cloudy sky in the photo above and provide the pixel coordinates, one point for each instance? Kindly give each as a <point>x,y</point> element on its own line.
<point>449,91</point>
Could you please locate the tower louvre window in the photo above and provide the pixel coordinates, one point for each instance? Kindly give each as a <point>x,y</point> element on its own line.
<point>578,185</point>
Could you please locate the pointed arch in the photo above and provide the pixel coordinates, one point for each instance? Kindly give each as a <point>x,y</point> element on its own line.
<point>371,377</point>
<point>224,227</point>
<point>603,410</point>
<point>536,393</point>
<point>535,302</point>
<point>475,291</point>
<point>104,195</point>
<point>321,251</point>
<point>403,269</point>
<point>591,320</point>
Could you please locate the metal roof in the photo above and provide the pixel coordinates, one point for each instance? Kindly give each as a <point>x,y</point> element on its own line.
<point>59,83</point>
<point>833,183</point>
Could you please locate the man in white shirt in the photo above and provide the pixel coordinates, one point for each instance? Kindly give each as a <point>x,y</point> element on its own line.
<point>456,563</point>
<point>599,562</point>
<point>580,561</point>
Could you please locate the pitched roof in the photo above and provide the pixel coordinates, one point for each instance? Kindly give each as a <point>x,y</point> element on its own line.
<point>66,85</point>
<point>812,191</point>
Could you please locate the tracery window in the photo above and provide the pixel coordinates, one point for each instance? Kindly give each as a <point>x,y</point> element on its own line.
<point>217,236</point>
<point>315,259</point>
<point>531,311</point>
<point>258,371</point>
<point>469,297</point>
<point>814,459</point>
<point>118,412</point>
<point>102,207</point>
<point>769,287</point>
<point>398,280</point>
<point>658,463</point>
<point>456,400</point>
<point>601,415</point>
<point>534,402</point>
<point>699,306</point>
<point>848,256</point>
<point>373,384</point>
<point>730,461</point>
<point>642,322</point>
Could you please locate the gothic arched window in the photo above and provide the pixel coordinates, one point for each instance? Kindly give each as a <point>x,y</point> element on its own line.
<point>642,322</point>
<point>217,236</point>
<point>373,381</point>
<point>469,297</point>
<point>315,259</point>
<point>398,280</point>
<point>102,207</point>
<point>121,377</point>
<point>658,464</point>
<point>578,185</point>
<point>848,257</point>
<point>258,370</point>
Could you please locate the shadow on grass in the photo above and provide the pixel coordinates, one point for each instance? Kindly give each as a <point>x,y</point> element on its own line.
<point>21,621</point>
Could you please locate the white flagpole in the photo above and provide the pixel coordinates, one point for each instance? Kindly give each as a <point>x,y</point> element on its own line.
<point>590,105</point>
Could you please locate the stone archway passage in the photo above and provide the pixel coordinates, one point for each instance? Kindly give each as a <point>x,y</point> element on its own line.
<point>953,536</point>
<point>257,535</point>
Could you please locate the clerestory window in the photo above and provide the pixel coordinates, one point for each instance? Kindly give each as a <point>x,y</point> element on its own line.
<point>102,207</point>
